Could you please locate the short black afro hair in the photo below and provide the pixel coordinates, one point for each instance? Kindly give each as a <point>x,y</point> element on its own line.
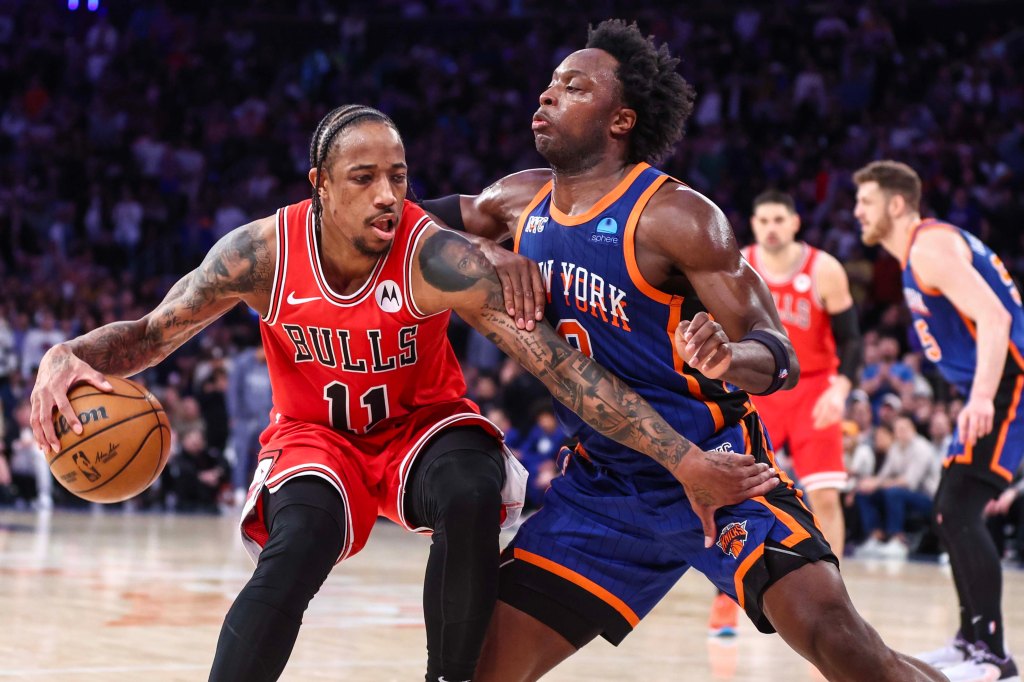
<point>651,86</point>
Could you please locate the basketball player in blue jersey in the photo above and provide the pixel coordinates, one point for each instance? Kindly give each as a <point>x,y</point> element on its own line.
<point>967,313</point>
<point>634,265</point>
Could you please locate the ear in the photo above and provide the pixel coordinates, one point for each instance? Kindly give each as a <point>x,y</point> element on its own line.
<point>313,178</point>
<point>897,205</point>
<point>796,222</point>
<point>623,121</point>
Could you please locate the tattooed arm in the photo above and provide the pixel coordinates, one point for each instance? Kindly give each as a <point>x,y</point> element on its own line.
<point>239,267</point>
<point>453,273</point>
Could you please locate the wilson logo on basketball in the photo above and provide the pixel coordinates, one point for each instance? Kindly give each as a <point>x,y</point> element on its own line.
<point>732,539</point>
<point>61,426</point>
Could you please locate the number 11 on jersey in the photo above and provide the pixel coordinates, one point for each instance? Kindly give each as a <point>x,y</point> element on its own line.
<point>374,401</point>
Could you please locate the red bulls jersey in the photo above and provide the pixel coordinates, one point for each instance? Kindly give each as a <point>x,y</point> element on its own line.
<point>802,312</point>
<point>363,362</point>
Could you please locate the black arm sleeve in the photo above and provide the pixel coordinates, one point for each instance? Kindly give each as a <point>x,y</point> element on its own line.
<point>448,209</point>
<point>849,345</point>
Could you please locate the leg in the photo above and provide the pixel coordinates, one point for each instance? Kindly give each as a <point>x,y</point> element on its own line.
<point>870,518</point>
<point>828,509</point>
<point>306,537</point>
<point>512,632</point>
<point>811,610</point>
<point>972,555</point>
<point>455,489</point>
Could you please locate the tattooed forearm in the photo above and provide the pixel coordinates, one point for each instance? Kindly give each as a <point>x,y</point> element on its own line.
<point>600,398</point>
<point>240,264</point>
<point>451,262</point>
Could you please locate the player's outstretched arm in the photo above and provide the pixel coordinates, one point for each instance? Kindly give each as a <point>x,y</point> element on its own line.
<point>452,272</point>
<point>740,339</point>
<point>239,267</point>
<point>490,217</point>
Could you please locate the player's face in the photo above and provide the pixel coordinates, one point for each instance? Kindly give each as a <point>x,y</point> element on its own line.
<point>774,226</point>
<point>872,211</point>
<point>364,190</point>
<point>577,109</point>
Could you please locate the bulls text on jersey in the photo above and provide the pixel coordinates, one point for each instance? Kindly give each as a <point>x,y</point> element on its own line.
<point>327,346</point>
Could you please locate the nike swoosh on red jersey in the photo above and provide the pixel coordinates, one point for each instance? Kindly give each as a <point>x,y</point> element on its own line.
<point>298,301</point>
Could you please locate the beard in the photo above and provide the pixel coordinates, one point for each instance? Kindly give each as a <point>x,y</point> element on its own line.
<point>571,156</point>
<point>363,247</point>
<point>874,235</point>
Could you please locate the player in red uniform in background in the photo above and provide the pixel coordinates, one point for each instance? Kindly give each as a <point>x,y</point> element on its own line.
<point>354,289</point>
<point>812,295</point>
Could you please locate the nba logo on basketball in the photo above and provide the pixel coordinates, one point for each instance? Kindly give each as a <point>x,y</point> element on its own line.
<point>732,539</point>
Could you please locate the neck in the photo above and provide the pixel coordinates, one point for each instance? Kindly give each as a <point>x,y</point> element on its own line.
<point>345,267</point>
<point>898,240</point>
<point>783,261</point>
<point>575,192</point>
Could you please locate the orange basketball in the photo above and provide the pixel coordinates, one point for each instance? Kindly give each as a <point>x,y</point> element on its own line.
<point>124,443</point>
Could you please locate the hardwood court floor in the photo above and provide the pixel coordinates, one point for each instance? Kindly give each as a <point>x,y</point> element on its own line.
<point>115,597</point>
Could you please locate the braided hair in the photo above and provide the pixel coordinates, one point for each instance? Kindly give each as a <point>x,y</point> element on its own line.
<point>330,125</point>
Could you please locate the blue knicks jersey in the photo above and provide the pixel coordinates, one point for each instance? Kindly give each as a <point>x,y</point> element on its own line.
<point>947,335</point>
<point>599,302</point>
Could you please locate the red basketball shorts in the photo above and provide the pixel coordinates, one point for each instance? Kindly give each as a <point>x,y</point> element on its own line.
<point>369,472</point>
<point>817,454</point>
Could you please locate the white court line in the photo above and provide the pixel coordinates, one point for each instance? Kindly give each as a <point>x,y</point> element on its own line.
<point>170,667</point>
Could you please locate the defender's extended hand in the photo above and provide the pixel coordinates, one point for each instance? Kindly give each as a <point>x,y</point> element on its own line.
<point>521,284</point>
<point>59,370</point>
<point>716,479</point>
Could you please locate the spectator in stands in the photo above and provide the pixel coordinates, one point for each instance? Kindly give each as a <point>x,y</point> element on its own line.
<point>539,450</point>
<point>30,475</point>
<point>199,474</point>
<point>249,403</point>
<point>1006,520</point>
<point>905,484</point>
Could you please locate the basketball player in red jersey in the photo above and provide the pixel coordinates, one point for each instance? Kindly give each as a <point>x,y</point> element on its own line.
<point>613,535</point>
<point>354,289</point>
<point>812,294</point>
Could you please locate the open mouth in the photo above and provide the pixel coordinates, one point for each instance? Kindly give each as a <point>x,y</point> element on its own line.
<point>384,227</point>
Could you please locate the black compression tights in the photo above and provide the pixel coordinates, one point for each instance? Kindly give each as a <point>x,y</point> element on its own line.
<point>973,557</point>
<point>454,488</point>
<point>306,537</point>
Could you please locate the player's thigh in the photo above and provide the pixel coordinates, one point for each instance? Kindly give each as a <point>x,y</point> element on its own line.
<point>518,647</point>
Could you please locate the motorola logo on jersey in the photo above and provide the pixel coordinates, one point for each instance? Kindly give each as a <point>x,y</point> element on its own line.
<point>802,282</point>
<point>389,296</point>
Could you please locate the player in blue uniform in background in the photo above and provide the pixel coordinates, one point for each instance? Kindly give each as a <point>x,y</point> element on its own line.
<point>633,262</point>
<point>967,313</point>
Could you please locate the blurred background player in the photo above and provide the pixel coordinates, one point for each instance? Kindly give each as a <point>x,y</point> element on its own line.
<point>812,294</point>
<point>968,317</point>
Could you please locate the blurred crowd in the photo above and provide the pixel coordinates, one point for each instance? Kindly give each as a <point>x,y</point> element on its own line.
<point>134,137</point>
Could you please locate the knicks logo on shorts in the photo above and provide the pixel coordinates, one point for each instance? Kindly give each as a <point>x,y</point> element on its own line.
<point>732,539</point>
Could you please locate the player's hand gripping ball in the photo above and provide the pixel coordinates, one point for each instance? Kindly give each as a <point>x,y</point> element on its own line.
<point>123,447</point>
